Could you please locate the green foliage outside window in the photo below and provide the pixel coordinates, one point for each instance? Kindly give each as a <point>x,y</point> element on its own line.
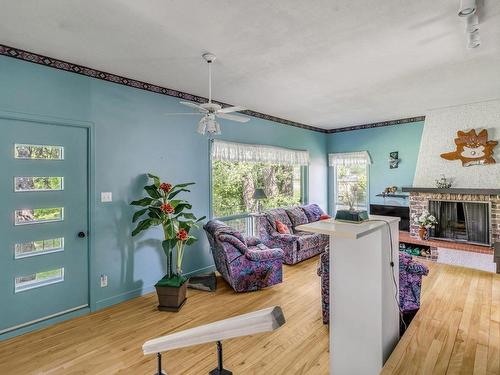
<point>233,185</point>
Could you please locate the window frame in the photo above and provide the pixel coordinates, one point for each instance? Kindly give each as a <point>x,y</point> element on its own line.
<point>334,187</point>
<point>304,193</point>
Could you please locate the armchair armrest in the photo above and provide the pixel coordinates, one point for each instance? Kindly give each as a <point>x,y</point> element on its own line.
<point>416,268</point>
<point>268,254</point>
<point>290,238</point>
<point>253,241</point>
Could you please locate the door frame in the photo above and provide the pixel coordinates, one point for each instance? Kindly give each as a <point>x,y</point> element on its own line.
<point>91,207</point>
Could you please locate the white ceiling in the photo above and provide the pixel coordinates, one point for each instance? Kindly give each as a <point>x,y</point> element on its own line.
<point>324,63</point>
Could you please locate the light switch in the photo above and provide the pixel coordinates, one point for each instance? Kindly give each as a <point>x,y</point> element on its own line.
<point>106,196</point>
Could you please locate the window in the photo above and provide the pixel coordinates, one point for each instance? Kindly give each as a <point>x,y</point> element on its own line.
<point>238,169</point>
<point>32,248</point>
<point>38,215</point>
<point>38,183</point>
<point>22,151</point>
<point>39,279</point>
<point>350,180</point>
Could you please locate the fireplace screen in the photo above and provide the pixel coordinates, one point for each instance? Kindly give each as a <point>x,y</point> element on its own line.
<point>461,221</point>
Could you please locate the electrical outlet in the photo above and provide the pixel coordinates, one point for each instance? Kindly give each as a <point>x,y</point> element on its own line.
<point>104,281</point>
<point>106,196</point>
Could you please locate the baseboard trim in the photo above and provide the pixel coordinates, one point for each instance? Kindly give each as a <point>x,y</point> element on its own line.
<point>125,296</point>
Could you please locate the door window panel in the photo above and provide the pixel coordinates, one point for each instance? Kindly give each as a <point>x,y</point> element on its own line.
<point>38,215</point>
<point>39,279</point>
<point>33,248</point>
<point>41,152</point>
<point>22,184</point>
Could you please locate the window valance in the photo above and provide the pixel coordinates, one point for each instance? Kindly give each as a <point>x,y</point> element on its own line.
<point>349,158</point>
<point>231,151</point>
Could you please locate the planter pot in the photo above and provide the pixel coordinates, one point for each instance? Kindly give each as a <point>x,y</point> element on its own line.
<point>423,233</point>
<point>171,298</point>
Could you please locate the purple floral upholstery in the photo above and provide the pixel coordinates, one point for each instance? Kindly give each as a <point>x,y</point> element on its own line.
<point>410,283</point>
<point>246,264</point>
<point>297,216</point>
<point>297,245</point>
<point>323,271</point>
<point>313,212</point>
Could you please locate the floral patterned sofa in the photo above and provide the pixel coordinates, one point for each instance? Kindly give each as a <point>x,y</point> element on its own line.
<point>245,263</point>
<point>297,245</point>
<point>410,283</point>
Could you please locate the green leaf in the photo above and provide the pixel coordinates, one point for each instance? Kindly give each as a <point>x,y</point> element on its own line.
<point>153,192</point>
<point>188,215</point>
<point>172,194</point>
<point>201,218</point>
<point>142,202</point>
<point>183,185</point>
<point>143,225</point>
<point>191,240</point>
<point>138,214</point>
<point>156,179</point>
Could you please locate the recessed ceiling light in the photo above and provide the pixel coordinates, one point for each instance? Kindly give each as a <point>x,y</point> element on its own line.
<point>467,7</point>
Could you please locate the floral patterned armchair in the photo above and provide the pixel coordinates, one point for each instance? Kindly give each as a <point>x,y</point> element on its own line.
<point>245,263</point>
<point>410,283</point>
<point>297,245</point>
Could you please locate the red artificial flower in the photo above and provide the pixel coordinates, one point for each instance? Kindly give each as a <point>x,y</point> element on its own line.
<point>165,187</point>
<point>182,235</point>
<point>167,207</point>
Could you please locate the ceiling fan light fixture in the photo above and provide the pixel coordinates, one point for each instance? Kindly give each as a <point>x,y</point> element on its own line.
<point>467,8</point>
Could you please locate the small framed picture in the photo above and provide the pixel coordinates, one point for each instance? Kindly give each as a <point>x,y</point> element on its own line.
<point>393,159</point>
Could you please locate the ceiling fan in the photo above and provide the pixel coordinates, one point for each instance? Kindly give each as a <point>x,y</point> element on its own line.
<point>210,111</point>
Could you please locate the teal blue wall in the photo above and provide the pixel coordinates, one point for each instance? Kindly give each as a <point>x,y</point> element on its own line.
<point>379,142</point>
<point>133,136</point>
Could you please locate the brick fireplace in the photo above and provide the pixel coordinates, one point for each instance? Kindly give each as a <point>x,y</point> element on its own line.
<point>419,200</point>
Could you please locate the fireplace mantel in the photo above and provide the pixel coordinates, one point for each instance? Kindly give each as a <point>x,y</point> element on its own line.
<point>452,191</point>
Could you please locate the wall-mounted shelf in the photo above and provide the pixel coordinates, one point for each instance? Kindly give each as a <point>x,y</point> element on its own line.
<point>390,195</point>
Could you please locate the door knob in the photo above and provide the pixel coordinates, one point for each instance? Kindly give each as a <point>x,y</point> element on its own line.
<point>81,234</point>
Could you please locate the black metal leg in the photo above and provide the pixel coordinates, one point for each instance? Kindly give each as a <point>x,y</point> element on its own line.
<point>160,371</point>
<point>220,368</point>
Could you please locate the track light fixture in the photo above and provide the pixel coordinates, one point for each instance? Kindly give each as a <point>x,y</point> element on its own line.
<point>467,8</point>
<point>473,40</point>
<point>472,23</point>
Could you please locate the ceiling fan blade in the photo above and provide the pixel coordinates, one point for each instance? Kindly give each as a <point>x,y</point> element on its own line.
<point>231,109</point>
<point>193,105</point>
<point>233,117</point>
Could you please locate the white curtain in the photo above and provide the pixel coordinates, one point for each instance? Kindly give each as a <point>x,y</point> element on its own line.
<point>243,152</point>
<point>349,158</point>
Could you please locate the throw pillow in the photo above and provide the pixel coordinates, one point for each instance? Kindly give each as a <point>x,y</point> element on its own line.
<point>324,217</point>
<point>282,228</point>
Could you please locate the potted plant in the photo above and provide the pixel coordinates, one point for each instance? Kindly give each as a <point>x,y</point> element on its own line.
<point>425,221</point>
<point>161,209</point>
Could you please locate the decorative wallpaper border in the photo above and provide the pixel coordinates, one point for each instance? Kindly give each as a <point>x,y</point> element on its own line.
<point>94,73</point>
<point>402,121</point>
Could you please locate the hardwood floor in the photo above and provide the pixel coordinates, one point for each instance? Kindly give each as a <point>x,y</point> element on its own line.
<point>457,331</point>
<point>109,341</point>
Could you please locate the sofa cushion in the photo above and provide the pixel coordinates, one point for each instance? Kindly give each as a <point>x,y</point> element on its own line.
<point>312,211</point>
<point>278,214</point>
<point>297,216</point>
<point>308,241</point>
<point>282,228</point>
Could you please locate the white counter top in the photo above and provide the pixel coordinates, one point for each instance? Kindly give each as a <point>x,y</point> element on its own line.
<point>347,230</point>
